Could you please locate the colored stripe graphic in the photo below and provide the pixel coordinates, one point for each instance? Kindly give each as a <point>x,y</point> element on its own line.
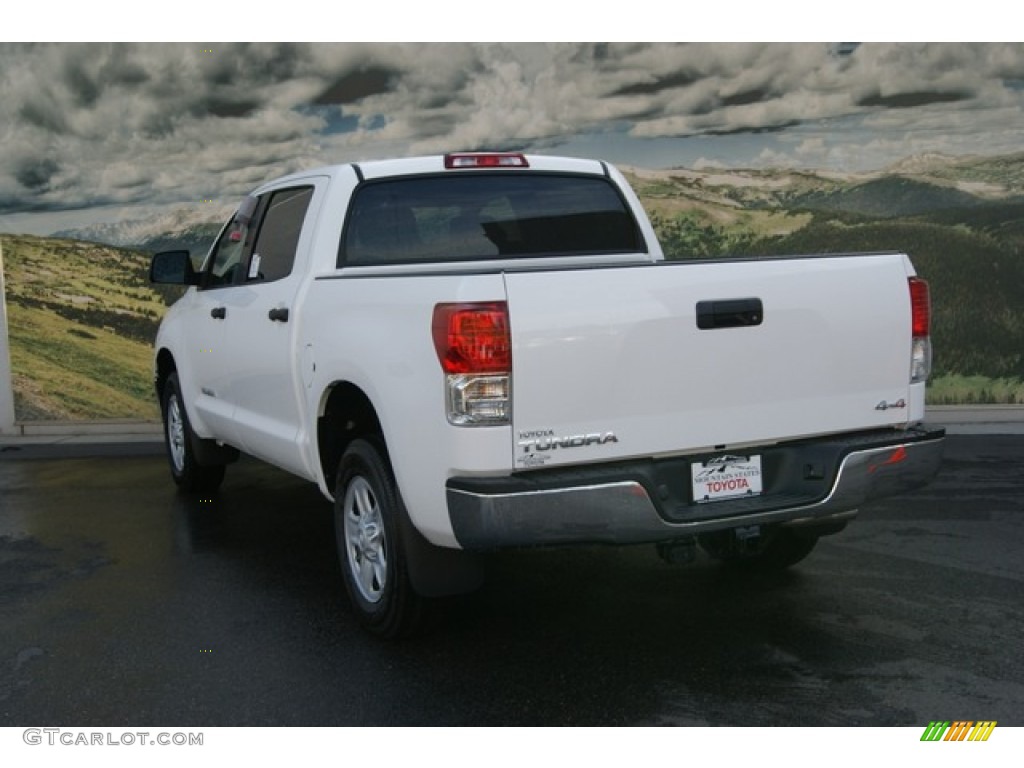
<point>958,730</point>
<point>982,730</point>
<point>935,730</point>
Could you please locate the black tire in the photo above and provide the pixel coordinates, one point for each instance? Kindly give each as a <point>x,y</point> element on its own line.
<point>775,549</point>
<point>189,475</point>
<point>367,517</point>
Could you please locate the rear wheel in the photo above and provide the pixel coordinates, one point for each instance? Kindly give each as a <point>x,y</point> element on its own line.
<point>367,512</point>
<point>188,473</point>
<point>774,549</point>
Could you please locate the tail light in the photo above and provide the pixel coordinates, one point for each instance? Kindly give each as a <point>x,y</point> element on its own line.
<point>486,160</point>
<point>920,324</point>
<point>474,348</point>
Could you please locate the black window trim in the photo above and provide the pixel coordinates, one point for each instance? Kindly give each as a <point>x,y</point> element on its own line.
<point>265,199</point>
<point>204,280</point>
<point>241,277</point>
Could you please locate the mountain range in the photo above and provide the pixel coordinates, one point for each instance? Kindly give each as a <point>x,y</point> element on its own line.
<point>920,184</point>
<point>192,227</point>
<point>726,197</point>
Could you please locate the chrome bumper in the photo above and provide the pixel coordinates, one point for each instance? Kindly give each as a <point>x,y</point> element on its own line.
<point>624,511</point>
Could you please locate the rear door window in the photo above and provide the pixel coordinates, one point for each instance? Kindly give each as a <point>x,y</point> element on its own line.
<point>274,253</point>
<point>483,216</point>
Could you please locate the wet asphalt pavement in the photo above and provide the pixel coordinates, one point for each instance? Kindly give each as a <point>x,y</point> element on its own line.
<point>123,603</point>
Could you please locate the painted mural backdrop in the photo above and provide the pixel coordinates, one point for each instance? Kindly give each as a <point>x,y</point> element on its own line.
<point>114,151</point>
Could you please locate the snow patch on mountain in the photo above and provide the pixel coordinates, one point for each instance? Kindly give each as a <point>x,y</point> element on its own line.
<point>181,222</point>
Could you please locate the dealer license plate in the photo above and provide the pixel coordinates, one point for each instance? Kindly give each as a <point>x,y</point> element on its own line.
<point>726,477</point>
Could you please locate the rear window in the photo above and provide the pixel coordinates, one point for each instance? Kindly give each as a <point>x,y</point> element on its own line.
<point>486,216</point>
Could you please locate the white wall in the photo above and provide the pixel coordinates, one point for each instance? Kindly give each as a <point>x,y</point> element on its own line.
<point>6,392</point>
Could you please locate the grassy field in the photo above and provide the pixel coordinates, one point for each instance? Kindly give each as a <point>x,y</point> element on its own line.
<point>955,389</point>
<point>81,321</point>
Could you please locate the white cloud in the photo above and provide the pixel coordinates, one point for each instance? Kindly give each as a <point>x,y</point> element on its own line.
<point>89,124</point>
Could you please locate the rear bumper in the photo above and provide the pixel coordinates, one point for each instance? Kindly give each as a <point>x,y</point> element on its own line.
<point>634,502</point>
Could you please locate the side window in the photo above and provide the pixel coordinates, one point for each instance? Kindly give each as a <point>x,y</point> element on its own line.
<point>231,247</point>
<point>274,252</point>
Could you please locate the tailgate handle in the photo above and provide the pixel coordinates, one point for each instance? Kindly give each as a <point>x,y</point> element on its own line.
<point>729,313</point>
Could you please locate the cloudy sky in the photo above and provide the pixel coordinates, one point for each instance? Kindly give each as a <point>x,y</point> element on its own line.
<point>95,131</point>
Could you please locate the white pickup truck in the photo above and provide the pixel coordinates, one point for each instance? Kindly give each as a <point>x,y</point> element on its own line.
<point>484,350</point>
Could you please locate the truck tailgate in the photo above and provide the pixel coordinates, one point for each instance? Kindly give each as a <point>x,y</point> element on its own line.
<point>611,363</point>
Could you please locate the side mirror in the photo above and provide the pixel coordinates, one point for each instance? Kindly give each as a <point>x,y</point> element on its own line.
<point>173,268</point>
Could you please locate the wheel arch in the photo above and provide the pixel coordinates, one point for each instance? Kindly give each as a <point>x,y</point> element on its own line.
<point>207,452</point>
<point>165,366</point>
<point>346,413</point>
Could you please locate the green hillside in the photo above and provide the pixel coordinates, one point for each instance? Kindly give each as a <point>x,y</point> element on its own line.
<point>889,197</point>
<point>1003,222</point>
<point>81,319</point>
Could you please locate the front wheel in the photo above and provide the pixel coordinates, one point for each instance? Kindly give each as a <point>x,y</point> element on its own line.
<point>367,511</point>
<point>188,473</point>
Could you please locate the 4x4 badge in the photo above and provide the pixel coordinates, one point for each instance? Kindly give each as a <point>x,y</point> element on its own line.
<point>885,405</point>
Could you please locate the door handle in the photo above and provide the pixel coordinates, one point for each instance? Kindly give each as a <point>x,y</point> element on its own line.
<point>279,315</point>
<point>729,313</point>
<point>218,313</point>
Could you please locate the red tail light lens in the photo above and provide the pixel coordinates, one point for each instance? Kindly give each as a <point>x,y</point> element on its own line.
<point>920,324</point>
<point>920,307</point>
<point>473,338</point>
